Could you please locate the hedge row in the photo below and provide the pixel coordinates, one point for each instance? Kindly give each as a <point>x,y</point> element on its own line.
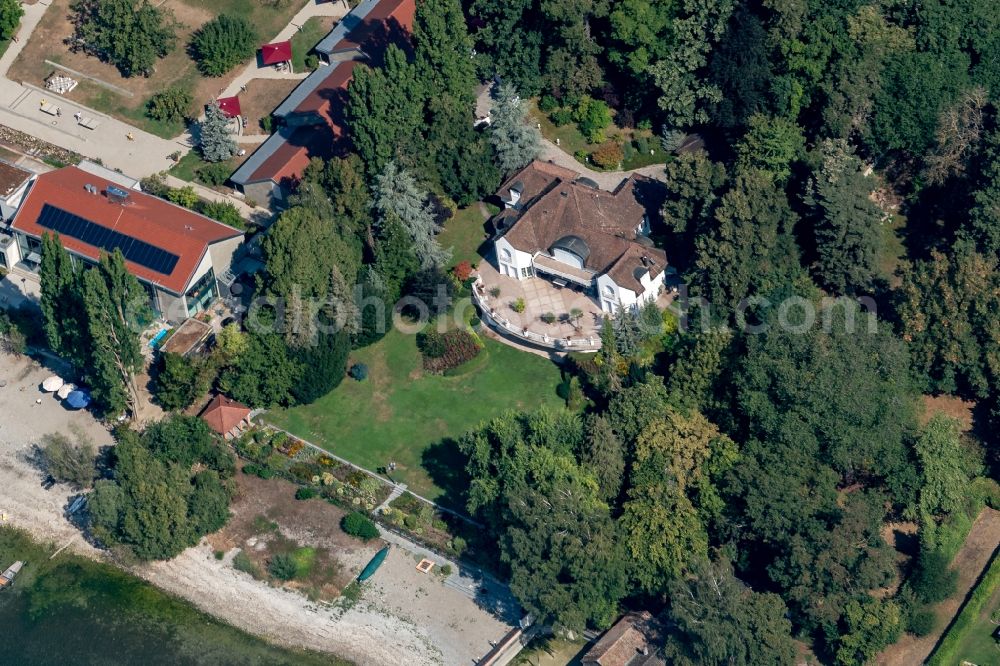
<point>968,617</point>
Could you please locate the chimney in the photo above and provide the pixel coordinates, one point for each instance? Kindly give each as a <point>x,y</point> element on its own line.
<point>645,261</point>
<point>515,196</point>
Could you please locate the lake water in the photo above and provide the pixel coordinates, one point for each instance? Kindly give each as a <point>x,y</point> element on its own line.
<point>75,611</point>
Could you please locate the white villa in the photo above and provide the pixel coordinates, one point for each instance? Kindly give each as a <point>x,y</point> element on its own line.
<point>560,226</point>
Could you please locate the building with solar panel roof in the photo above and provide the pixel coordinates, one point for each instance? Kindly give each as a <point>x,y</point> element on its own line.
<point>175,253</point>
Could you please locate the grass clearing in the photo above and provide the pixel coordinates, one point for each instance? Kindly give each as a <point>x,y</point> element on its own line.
<point>50,41</point>
<point>404,415</point>
<point>313,30</point>
<point>466,234</point>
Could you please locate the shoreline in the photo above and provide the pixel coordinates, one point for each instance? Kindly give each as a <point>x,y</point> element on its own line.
<point>364,634</point>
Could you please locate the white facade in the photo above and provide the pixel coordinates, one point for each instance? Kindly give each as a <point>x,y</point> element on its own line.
<point>513,262</point>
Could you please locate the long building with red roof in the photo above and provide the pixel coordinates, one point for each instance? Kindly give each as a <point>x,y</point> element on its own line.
<point>174,252</point>
<point>311,117</point>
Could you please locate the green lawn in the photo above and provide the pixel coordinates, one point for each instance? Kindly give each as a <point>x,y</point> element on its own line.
<point>187,167</point>
<point>403,415</point>
<point>465,234</point>
<point>570,138</point>
<point>978,645</point>
<point>305,39</point>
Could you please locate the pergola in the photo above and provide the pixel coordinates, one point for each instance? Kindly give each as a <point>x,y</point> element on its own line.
<point>277,53</point>
<point>230,106</point>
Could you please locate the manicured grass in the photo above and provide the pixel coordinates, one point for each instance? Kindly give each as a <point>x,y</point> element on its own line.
<point>109,102</point>
<point>402,414</point>
<point>970,636</point>
<point>305,39</point>
<point>465,233</point>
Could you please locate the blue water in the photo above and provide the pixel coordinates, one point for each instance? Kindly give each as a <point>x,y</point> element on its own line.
<point>155,342</point>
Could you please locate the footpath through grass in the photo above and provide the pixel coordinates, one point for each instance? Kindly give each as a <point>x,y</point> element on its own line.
<point>404,415</point>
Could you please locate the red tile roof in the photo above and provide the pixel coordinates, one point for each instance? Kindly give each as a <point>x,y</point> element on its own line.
<point>553,209</point>
<point>230,106</point>
<point>223,414</point>
<point>145,217</point>
<point>293,153</point>
<point>364,36</point>
<point>271,54</point>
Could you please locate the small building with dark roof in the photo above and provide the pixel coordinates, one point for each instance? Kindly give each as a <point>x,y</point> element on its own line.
<point>13,185</point>
<point>560,226</point>
<point>175,253</point>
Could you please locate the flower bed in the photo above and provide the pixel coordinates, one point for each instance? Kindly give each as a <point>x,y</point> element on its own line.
<point>444,351</point>
<point>277,454</point>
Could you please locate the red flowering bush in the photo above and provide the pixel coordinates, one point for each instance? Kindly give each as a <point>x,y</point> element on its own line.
<point>462,271</point>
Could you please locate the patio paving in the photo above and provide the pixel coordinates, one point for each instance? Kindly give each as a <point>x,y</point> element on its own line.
<point>540,297</point>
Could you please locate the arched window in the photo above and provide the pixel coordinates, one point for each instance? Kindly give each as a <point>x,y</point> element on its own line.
<point>505,254</point>
<point>609,290</point>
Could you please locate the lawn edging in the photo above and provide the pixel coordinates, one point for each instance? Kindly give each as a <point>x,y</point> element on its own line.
<point>966,618</point>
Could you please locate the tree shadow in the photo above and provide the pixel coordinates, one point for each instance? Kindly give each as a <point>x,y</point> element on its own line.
<point>445,464</point>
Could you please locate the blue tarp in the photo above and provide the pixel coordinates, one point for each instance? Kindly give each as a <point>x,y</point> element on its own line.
<point>78,399</point>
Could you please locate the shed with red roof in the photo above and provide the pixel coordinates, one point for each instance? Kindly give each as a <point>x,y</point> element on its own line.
<point>276,53</point>
<point>225,415</point>
<point>175,253</point>
<point>230,106</point>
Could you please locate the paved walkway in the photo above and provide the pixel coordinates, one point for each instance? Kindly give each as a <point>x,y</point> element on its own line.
<point>252,71</point>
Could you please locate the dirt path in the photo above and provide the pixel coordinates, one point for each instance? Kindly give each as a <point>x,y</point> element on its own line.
<point>970,561</point>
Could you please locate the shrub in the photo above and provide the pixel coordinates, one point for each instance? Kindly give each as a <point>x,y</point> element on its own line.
<point>219,554</point>
<point>259,471</point>
<point>457,545</point>
<point>549,318</point>
<point>518,306</point>
<point>459,347</point>
<point>462,271</point>
<point>223,43</point>
<point>183,196</point>
<point>445,570</point>
<point>214,174</point>
<point>169,105</point>
<point>359,525</point>
<point>223,211</point>
<point>359,372</point>
<point>242,562</point>
<point>495,292</point>
<point>411,522</point>
<point>282,566</point>
<point>548,104</point>
<point>311,61</point>
<point>592,116</point>
<point>305,493</point>
<point>561,117</point>
<point>267,124</point>
<point>922,621</point>
<point>68,461</point>
<point>933,581</point>
<point>608,155</point>
<point>431,344</point>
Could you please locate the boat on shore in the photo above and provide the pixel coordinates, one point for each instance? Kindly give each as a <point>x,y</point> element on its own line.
<point>7,577</point>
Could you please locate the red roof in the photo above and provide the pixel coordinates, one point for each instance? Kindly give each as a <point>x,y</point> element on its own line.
<point>146,218</point>
<point>223,414</point>
<point>271,54</point>
<point>366,36</point>
<point>230,106</point>
<point>330,97</point>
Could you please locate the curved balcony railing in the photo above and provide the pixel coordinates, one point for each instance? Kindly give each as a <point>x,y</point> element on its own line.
<point>502,325</point>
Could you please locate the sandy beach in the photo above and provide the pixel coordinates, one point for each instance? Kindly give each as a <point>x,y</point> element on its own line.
<point>406,617</point>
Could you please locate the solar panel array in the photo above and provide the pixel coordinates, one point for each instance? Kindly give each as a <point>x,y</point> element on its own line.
<point>134,250</point>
